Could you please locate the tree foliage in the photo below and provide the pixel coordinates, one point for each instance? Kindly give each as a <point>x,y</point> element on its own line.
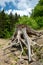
<point>29,21</point>
<point>7,24</point>
<point>37,13</point>
<point>38,10</point>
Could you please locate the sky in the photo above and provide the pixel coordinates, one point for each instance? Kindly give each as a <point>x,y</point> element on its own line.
<point>22,7</point>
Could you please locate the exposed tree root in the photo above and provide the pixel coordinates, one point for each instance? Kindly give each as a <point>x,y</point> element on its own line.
<point>20,37</point>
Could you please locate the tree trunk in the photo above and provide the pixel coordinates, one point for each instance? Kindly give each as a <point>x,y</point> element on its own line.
<point>28,43</point>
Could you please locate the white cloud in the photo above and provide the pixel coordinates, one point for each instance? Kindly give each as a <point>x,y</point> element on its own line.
<point>8,11</point>
<point>20,12</point>
<point>2,2</point>
<point>23,6</point>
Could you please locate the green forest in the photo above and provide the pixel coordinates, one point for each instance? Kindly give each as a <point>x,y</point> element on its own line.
<point>9,22</point>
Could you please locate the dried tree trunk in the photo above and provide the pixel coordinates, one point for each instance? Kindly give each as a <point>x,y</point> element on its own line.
<point>28,42</point>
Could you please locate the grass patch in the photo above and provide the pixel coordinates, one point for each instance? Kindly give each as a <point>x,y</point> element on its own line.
<point>41,60</point>
<point>24,51</point>
<point>0,46</point>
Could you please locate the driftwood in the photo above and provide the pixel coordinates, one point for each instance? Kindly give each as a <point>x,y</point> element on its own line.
<point>22,34</point>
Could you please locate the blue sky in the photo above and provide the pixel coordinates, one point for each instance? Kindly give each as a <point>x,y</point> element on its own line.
<point>22,7</point>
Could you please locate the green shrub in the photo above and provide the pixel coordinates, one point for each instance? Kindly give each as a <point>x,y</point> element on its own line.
<point>29,21</point>
<point>6,34</point>
<point>39,21</point>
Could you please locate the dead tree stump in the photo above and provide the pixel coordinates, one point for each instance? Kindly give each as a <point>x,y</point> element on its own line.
<point>22,35</point>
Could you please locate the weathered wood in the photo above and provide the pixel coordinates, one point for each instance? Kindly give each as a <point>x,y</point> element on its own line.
<point>28,43</point>
<point>29,30</point>
<point>22,34</point>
